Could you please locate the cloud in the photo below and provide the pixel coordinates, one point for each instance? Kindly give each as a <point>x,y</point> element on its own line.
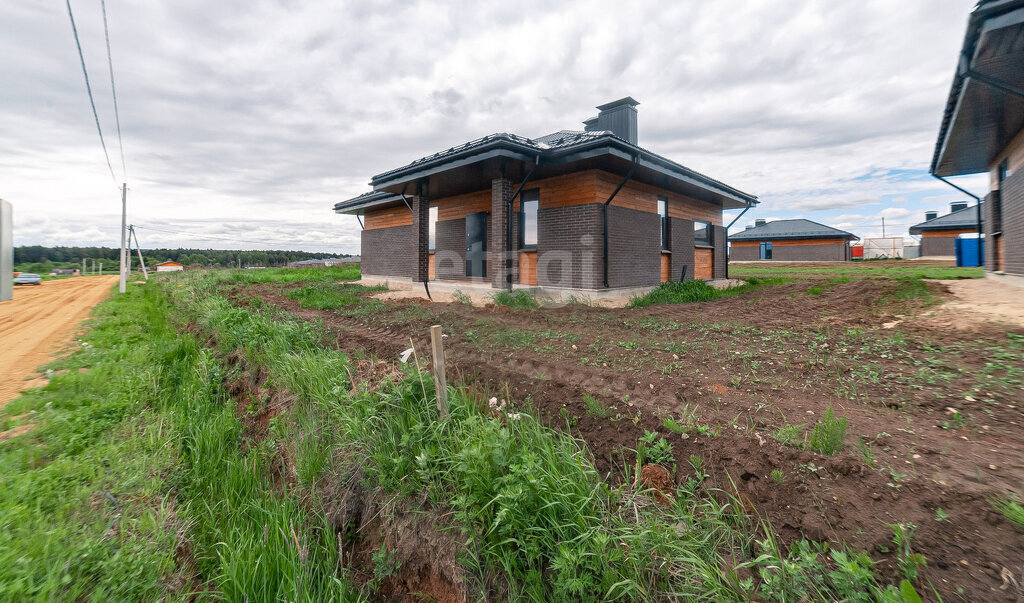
<point>249,120</point>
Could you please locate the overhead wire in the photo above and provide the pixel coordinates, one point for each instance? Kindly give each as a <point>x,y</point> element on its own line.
<point>88,89</point>
<point>113,89</point>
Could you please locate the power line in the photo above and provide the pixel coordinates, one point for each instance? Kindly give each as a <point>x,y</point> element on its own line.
<point>113,90</point>
<point>88,88</point>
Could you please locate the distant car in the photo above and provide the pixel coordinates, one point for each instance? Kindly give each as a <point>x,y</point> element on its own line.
<point>27,278</point>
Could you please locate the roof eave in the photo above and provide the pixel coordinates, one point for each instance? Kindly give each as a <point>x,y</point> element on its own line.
<point>976,26</point>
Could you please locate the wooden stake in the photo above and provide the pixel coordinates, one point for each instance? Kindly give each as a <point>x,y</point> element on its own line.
<point>440,383</point>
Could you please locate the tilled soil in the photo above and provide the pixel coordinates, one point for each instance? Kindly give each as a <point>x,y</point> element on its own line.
<point>735,371</point>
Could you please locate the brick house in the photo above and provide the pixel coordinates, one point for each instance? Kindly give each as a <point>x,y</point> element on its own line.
<point>939,233</point>
<point>583,209</point>
<point>983,129</point>
<point>790,241</point>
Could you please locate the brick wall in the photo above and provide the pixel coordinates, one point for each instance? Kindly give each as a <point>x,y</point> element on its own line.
<point>744,253</point>
<point>501,191</point>
<point>569,246</point>
<point>719,239</point>
<point>1013,223</point>
<point>810,253</point>
<point>938,245</point>
<point>680,240</point>
<point>988,226</point>
<point>450,249</point>
<point>387,251</point>
<point>420,238</point>
<point>634,248</point>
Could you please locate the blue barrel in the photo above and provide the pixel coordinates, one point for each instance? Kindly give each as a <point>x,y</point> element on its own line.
<point>969,252</point>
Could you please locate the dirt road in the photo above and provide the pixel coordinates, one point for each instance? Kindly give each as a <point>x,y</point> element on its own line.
<point>39,322</point>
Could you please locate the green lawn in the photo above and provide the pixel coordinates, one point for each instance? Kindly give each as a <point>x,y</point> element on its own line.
<point>887,270</point>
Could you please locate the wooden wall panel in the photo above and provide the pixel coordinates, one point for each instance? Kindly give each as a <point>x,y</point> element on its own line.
<point>387,218</point>
<point>528,267</point>
<point>562,191</point>
<point>430,268</point>
<point>945,234</point>
<point>791,242</point>
<point>453,208</point>
<point>644,197</point>
<point>702,258</point>
<point>665,261</point>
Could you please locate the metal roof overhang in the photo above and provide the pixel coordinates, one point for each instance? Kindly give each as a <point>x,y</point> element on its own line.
<point>473,169</point>
<point>775,237</point>
<point>981,119</point>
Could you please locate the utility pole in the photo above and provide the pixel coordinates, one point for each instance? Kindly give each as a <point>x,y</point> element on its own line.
<point>124,233</point>
<point>83,266</point>
<point>883,227</point>
<point>142,262</point>
<point>101,268</point>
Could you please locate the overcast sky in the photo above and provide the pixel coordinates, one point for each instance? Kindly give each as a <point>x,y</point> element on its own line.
<point>245,121</point>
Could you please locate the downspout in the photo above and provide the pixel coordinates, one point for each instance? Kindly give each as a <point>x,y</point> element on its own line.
<point>981,255</point>
<point>734,220</point>
<point>360,220</point>
<point>508,223</point>
<point>629,174</point>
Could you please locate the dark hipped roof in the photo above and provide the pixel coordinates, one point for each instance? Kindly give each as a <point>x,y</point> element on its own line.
<point>791,229</point>
<point>980,119</point>
<point>961,218</point>
<point>559,148</point>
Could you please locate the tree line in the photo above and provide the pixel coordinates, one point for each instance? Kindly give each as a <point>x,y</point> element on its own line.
<point>37,258</point>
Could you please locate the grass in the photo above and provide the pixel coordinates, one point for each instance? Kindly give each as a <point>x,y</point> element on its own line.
<point>684,292</point>
<point>149,426</point>
<point>856,270</point>
<point>829,433</point>
<point>535,518</point>
<point>1011,510</point>
<point>517,298</point>
<point>326,295</point>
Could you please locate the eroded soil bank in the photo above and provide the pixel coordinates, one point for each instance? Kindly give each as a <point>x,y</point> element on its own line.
<point>935,417</point>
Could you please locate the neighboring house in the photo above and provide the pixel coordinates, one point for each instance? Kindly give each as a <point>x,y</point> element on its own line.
<point>791,241</point>
<point>169,266</point>
<point>574,209</point>
<point>983,128</point>
<point>939,234</point>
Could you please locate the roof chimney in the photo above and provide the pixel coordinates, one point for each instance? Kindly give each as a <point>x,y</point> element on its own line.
<point>930,215</point>
<point>749,226</point>
<point>957,206</point>
<point>760,222</point>
<point>618,117</point>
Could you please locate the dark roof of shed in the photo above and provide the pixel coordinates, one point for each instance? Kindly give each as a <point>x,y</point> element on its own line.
<point>980,119</point>
<point>961,218</point>
<point>561,146</point>
<point>791,229</point>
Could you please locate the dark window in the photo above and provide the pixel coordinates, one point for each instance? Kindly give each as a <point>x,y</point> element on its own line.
<point>433,226</point>
<point>701,233</point>
<point>530,203</point>
<point>663,213</point>
<point>1002,173</point>
<point>766,250</point>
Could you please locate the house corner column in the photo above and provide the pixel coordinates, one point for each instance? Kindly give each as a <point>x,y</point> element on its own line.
<point>497,265</point>
<point>421,234</point>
